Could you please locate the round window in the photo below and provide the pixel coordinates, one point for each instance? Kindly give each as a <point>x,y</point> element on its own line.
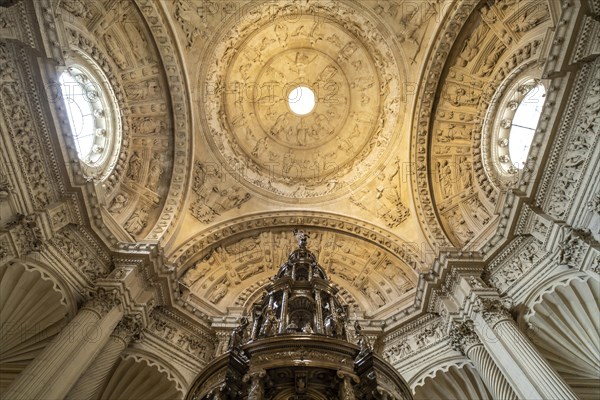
<point>514,126</point>
<point>94,125</point>
<point>524,123</point>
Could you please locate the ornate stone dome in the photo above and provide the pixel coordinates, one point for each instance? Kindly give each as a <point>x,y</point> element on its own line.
<point>339,53</point>
<point>158,219</point>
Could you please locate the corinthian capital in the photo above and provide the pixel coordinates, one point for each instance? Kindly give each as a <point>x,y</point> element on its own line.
<point>130,328</point>
<point>463,336</point>
<point>493,310</point>
<point>101,300</point>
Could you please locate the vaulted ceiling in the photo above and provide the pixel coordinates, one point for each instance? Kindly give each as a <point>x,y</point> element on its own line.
<point>386,169</point>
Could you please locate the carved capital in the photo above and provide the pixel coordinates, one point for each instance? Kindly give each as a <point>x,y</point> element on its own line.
<point>102,301</point>
<point>493,310</point>
<point>130,328</point>
<point>463,337</point>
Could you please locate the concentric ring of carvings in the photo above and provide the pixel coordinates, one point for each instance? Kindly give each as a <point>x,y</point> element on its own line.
<point>244,134</point>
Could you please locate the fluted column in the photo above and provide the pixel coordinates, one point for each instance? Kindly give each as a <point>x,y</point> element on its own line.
<point>529,373</point>
<point>89,384</point>
<point>52,374</point>
<point>467,342</point>
<point>284,307</point>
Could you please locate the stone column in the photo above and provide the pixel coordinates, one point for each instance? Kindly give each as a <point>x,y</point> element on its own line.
<point>319,312</point>
<point>53,372</point>
<point>528,372</point>
<point>284,306</point>
<point>91,381</point>
<point>465,340</point>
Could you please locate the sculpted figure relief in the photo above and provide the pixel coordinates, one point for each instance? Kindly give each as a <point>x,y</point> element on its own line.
<point>478,211</point>
<point>138,220</point>
<point>114,50</point>
<point>154,173</point>
<point>374,295</point>
<point>219,291</point>
<point>459,226</point>
<point>532,18</point>
<point>135,166</point>
<point>191,22</point>
<point>472,46</point>
<point>118,203</point>
<point>200,269</point>
<point>446,178</point>
<point>79,8</point>
<point>137,41</point>
<point>148,126</point>
<point>214,195</point>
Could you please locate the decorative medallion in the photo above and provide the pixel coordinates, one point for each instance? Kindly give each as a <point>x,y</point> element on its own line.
<point>333,62</point>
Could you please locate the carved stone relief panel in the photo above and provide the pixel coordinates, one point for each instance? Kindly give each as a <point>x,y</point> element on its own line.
<point>580,146</point>
<point>26,132</point>
<point>387,196</point>
<point>342,57</point>
<point>412,23</point>
<point>513,263</point>
<point>371,277</point>
<point>87,261</point>
<point>174,333</point>
<point>413,338</point>
<point>484,57</point>
<point>21,236</point>
<point>214,192</point>
<point>114,34</point>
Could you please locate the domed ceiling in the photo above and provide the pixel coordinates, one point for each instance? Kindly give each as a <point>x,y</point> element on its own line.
<point>338,54</point>
<point>339,171</point>
<point>362,170</point>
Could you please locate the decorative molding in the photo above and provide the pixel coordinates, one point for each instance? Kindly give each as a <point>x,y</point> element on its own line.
<point>573,145</point>
<point>295,219</point>
<point>422,194</point>
<point>151,361</point>
<point>182,161</point>
<point>588,46</point>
